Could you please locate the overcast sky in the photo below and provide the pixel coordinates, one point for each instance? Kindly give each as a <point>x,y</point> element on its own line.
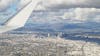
<point>77,11</point>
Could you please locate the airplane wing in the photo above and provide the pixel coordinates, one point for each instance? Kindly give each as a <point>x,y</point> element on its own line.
<point>6,28</point>
<point>20,18</point>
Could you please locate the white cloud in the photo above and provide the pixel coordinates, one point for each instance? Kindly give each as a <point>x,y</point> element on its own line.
<point>76,15</point>
<point>78,10</point>
<point>55,4</point>
<point>5,3</point>
<point>71,3</point>
<point>82,15</point>
<point>73,15</point>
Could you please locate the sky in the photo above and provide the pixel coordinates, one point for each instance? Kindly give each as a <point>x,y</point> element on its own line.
<point>49,12</point>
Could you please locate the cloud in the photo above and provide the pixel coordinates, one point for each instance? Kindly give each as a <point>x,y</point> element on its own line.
<point>72,15</point>
<point>56,4</point>
<point>4,4</point>
<point>83,15</point>
<point>76,12</point>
